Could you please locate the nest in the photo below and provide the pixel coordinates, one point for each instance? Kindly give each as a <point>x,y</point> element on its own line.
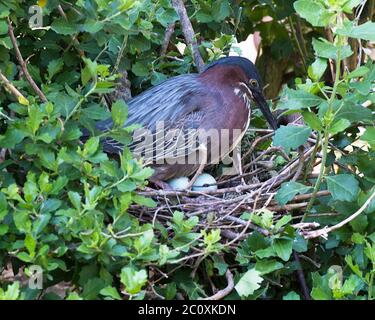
<point>252,191</point>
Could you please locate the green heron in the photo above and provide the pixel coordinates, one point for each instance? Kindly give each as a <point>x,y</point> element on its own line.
<point>217,99</point>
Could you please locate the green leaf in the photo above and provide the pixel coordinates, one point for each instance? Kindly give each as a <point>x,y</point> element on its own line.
<point>268,266</point>
<point>166,16</point>
<point>59,184</point>
<point>3,27</point>
<point>30,244</point>
<point>204,17</point>
<point>143,174</point>
<point>359,224</point>
<point>359,72</point>
<point>248,283</point>
<point>92,26</point>
<point>22,221</point>
<point>22,100</point>
<point>140,69</point>
<point>92,288</point>
<point>95,112</point>
<point>30,189</point>
<point>328,50</point>
<point>350,4</point>
<point>283,221</point>
<point>35,119</point>
<point>312,120</point>
<point>126,186</point>
<point>354,113</point>
<point>133,280</point>
<point>283,248</point>
<point>365,31</point>
<point>299,244</point>
<point>350,285</point>
<point>339,126</point>
<point>3,229</point>
<point>289,190</point>
<point>144,242</point>
<point>75,199</point>
<point>110,292</point>
<point>297,99</point>
<point>265,253</point>
<point>321,287</point>
<point>314,12</point>
<point>23,256</point>
<point>343,187</point>
<point>317,69</point>
<point>62,26</point>
<point>3,206</point>
<point>221,10</point>
<point>6,42</point>
<point>12,292</point>
<point>143,201</point>
<point>89,72</point>
<point>369,136</point>
<point>361,200</point>
<point>54,67</point>
<point>291,137</point>
<point>91,146</point>
<point>119,113</point>
<point>11,138</point>
<point>292,296</point>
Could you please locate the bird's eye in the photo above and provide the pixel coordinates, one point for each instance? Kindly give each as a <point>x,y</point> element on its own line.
<point>254,83</point>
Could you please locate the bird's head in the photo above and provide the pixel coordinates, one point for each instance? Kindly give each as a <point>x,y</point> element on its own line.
<point>251,84</point>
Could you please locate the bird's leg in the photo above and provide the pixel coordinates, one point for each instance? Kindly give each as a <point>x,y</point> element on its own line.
<point>161,184</point>
<point>240,171</point>
<point>202,151</point>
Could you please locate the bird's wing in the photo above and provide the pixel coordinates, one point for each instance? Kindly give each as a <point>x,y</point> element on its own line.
<point>179,104</point>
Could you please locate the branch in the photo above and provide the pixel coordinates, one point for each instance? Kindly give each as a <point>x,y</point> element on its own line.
<point>23,63</point>
<point>74,39</point>
<point>167,38</point>
<point>324,231</point>
<point>301,277</point>
<point>188,32</point>
<point>12,88</point>
<point>227,290</point>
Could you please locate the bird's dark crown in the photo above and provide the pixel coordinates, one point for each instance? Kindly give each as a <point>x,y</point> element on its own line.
<point>245,64</point>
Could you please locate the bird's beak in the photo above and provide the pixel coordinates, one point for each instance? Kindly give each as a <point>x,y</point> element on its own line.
<point>263,105</point>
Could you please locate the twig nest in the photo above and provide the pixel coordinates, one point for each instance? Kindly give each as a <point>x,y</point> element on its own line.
<point>205,182</point>
<point>179,184</point>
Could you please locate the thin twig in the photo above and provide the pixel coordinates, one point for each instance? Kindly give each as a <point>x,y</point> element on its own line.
<point>289,207</point>
<point>12,88</point>
<point>167,38</point>
<point>301,277</point>
<point>300,164</point>
<point>297,42</point>
<point>221,294</point>
<point>23,63</point>
<point>75,41</point>
<point>188,32</point>
<point>324,231</point>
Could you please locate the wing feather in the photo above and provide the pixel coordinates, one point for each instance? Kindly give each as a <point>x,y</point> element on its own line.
<point>178,103</point>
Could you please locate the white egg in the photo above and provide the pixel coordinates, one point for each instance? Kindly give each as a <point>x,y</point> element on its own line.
<point>179,184</point>
<point>205,182</point>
